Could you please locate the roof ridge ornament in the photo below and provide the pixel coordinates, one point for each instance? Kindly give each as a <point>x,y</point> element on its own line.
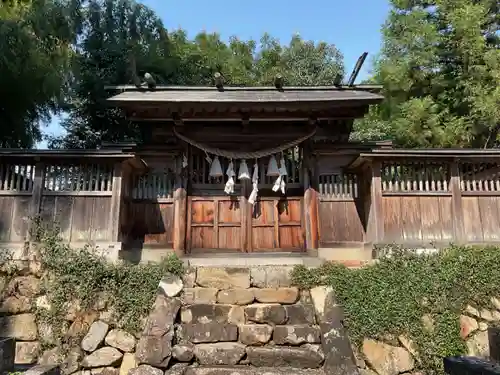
<point>278,82</point>
<point>219,81</point>
<point>357,69</point>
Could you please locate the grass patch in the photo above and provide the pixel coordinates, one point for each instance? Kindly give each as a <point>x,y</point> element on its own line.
<point>82,275</point>
<point>391,296</point>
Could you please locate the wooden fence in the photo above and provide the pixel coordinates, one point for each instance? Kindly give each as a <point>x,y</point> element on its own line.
<point>111,197</point>
<point>77,192</point>
<point>414,201</point>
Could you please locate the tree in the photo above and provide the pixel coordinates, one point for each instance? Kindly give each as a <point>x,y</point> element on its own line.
<point>439,66</point>
<point>302,63</point>
<point>113,37</point>
<point>121,39</point>
<point>35,40</point>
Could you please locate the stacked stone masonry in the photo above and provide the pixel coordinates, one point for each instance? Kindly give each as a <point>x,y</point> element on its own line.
<point>231,317</point>
<point>214,321</point>
<point>235,318</point>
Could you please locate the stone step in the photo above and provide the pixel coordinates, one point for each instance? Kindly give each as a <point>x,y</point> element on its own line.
<point>246,370</point>
<point>251,260</point>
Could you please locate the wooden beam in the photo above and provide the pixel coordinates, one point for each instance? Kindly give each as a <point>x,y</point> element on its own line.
<point>357,69</point>
<point>245,122</point>
<point>234,110</point>
<point>260,118</point>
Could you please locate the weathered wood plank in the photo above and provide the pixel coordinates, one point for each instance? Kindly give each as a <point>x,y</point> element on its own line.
<point>264,223</point>
<point>180,221</point>
<point>460,232</point>
<point>375,221</point>
<point>472,219</point>
<point>63,215</point>
<point>6,211</point>
<point>490,218</point>
<point>446,218</point>
<point>20,218</point>
<point>432,224</point>
<point>411,219</point>
<point>101,220</point>
<point>83,209</point>
<point>393,224</point>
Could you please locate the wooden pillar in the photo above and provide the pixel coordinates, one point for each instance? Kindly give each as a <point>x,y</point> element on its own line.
<point>311,213</point>
<point>375,214</point>
<point>311,197</point>
<point>456,204</point>
<point>36,200</point>
<point>116,203</point>
<point>246,217</point>
<point>180,210</point>
<point>180,221</point>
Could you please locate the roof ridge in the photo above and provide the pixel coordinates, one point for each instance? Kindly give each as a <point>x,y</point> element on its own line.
<point>247,88</point>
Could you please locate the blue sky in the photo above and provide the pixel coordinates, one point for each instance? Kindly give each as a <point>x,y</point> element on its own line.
<point>353,26</point>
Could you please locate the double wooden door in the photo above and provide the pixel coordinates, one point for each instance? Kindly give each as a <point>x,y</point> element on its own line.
<point>230,223</point>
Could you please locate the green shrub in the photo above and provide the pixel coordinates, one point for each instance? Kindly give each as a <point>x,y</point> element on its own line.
<point>391,296</point>
<point>83,275</point>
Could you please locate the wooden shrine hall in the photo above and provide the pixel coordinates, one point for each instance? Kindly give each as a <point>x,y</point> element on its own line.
<point>249,170</point>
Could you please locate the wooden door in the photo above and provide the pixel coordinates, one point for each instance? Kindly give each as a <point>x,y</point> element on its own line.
<point>276,225</point>
<point>214,224</point>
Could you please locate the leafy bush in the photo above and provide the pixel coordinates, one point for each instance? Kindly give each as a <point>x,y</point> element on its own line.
<point>391,296</point>
<point>82,275</point>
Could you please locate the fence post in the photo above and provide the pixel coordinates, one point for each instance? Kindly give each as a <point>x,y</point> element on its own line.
<point>116,203</point>
<point>375,214</point>
<point>456,204</point>
<point>36,199</point>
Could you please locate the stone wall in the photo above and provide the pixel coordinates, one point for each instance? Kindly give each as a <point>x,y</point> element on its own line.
<point>210,317</point>
<point>397,355</point>
<point>249,319</point>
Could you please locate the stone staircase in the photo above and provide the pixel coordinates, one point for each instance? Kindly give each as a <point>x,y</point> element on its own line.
<point>243,320</point>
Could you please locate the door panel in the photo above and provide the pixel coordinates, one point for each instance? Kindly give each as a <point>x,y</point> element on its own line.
<point>214,223</point>
<point>276,225</point>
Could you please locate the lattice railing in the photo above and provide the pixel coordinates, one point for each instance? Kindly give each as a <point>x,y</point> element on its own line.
<point>156,184</point>
<point>428,177</point>
<point>338,185</point>
<point>16,177</point>
<point>479,177</point>
<point>83,178</point>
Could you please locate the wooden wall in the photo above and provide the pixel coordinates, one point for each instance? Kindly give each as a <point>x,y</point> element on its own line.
<point>425,202</point>
<point>340,210</point>
<point>75,198</point>
<point>417,202</point>
<point>148,218</point>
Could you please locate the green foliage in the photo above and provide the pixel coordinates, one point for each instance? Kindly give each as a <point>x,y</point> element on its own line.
<point>83,275</point>
<point>440,66</point>
<point>391,296</point>
<point>35,40</point>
